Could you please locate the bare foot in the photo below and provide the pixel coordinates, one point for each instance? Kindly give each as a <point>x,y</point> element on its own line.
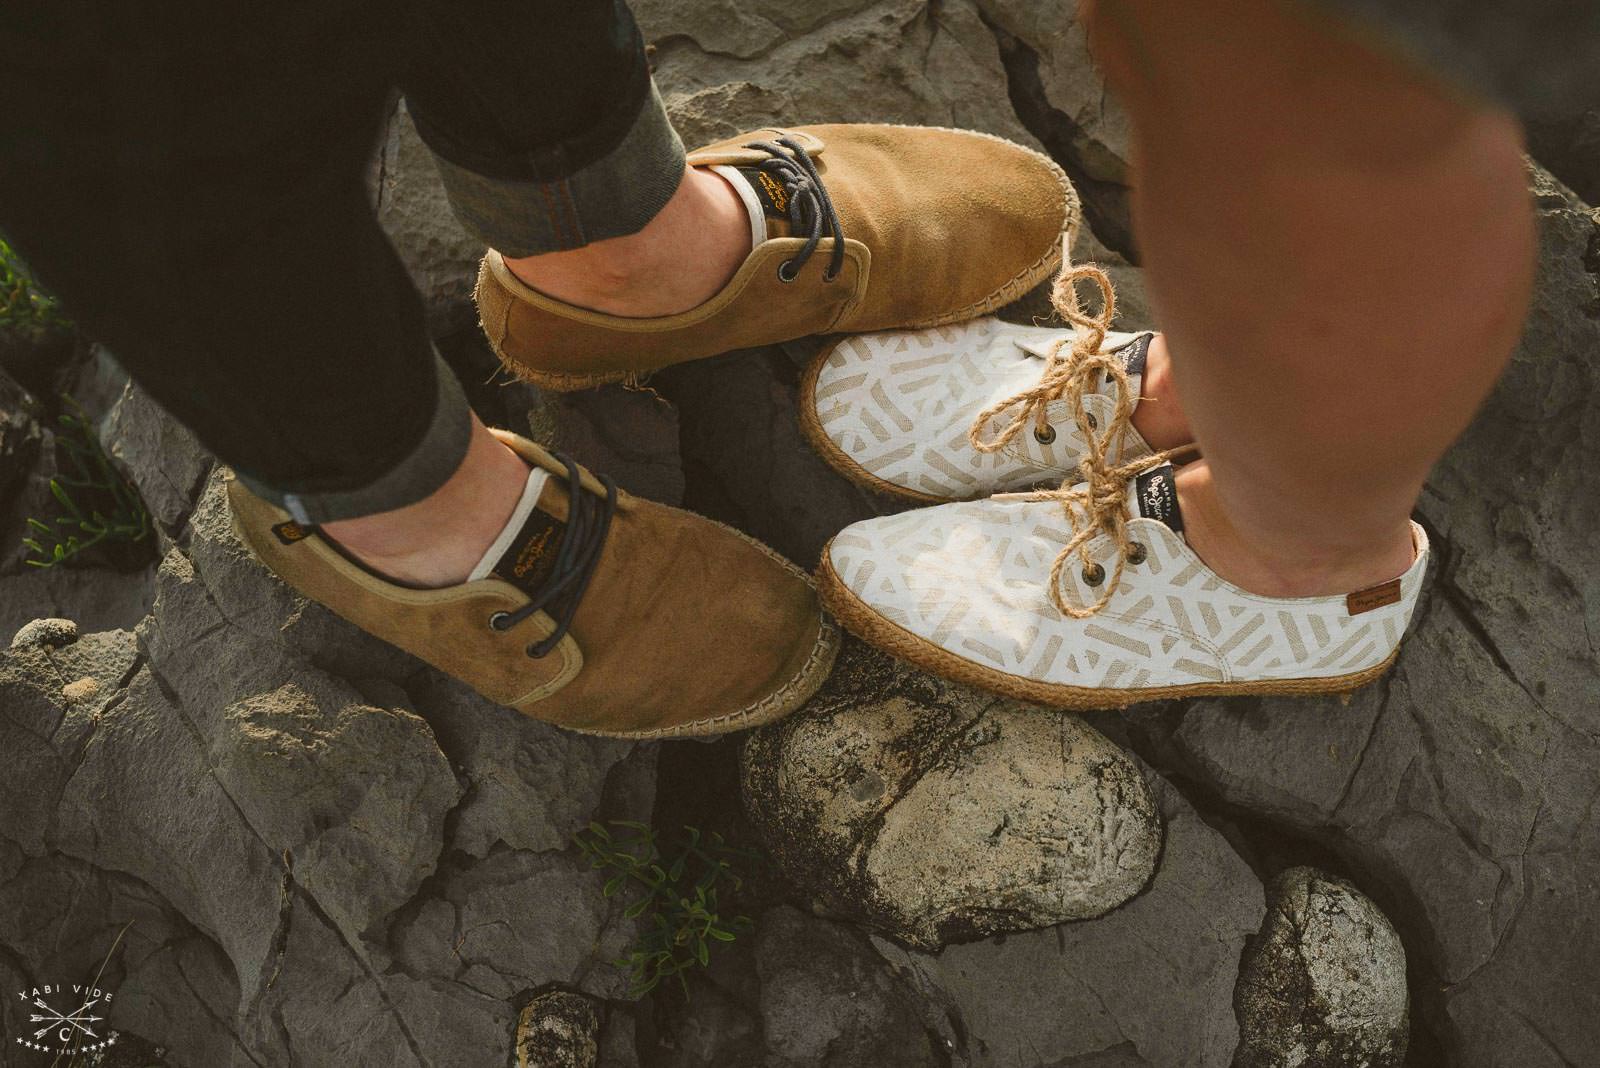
<point>1159,418</point>
<point>1261,563</point>
<point>680,260</point>
<point>437,541</point>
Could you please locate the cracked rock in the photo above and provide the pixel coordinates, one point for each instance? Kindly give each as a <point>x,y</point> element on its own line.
<point>726,67</point>
<point>934,813</point>
<point>828,1002</point>
<point>1148,985</point>
<point>330,854</point>
<point>1465,781</point>
<point>558,1029</point>
<point>1324,984</point>
<point>439,254</point>
<point>163,459</point>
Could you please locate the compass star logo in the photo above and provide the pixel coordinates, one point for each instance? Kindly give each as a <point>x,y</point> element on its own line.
<point>66,1018</point>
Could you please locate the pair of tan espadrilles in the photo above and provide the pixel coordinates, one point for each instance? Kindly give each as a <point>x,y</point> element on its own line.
<point>647,621</point>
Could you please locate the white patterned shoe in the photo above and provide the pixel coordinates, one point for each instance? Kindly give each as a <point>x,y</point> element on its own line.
<point>1007,594</point>
<point>892,411</point>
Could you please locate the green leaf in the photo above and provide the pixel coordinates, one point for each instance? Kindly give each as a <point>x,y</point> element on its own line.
<point>635,910</point>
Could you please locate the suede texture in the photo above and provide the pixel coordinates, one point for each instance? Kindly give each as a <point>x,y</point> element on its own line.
<point>686,624</point>
<point>940,225</point>
<point>685,619</point>
<point>448,628</point>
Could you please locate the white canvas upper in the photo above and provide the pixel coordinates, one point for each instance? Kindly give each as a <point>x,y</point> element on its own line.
<point>971,579</point>
<point>899,405</point>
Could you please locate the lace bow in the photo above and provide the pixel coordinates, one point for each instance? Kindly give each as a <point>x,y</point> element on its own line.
<point>1095,496</point>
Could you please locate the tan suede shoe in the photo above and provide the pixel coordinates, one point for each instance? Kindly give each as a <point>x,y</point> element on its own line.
<point>632,620</point>
<point>868,228</point>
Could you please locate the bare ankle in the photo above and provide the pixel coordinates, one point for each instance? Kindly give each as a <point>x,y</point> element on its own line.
<point>438,540</point>
<point>1275,564</point>
<point>1159,418</point>
<point>685,256</point>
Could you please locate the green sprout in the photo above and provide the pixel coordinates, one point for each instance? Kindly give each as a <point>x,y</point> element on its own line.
<point>23,305</point>
<point>677,883</point>
<point>97,505</point>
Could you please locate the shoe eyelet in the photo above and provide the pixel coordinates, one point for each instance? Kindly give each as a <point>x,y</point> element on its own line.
<point>1094,574</point>
<point>499,621</point>
<point>786,271</point>
<point>535,653</point>
<point>1094,424</point>
<point>1136,552</point>
<point>1044,435</point>
<point>829,277</point>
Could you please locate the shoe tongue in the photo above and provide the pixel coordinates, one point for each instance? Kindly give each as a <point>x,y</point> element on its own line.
<point>772,198</point>
<point>1133,354</point>
<point>1155,496</point>
<point>530,556</point>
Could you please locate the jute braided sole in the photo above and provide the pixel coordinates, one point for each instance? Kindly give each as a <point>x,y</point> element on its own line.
<point>1019,284</point>
<point>861,620</point>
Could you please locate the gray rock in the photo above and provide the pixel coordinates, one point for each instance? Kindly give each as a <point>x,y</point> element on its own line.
<point>1148,984</point>
<point>163,459</point>
<point>20,434</point>
<point>747,463</point>
<point>344,883</point>
<point>828,1002</point>
<point>558,1029</point>
<point>725,67</point>
<point>934,813</point>
<point>441,257</point>
<point>1324,984</point>
<point>629,434</point>
<point>95,598</point>
<point>1062,100</point>
<point>46,633</point>
<point>1465,782</point>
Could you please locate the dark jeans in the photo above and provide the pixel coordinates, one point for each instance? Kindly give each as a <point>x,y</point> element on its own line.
<point>188,177</point>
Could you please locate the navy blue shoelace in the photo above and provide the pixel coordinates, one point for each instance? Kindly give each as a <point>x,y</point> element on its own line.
<point>811,210</point>
<point>588,523</point>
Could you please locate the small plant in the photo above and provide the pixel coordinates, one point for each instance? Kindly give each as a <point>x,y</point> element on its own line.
<point>98,506</point>
<point>23,306</point>
<point>678,882</point>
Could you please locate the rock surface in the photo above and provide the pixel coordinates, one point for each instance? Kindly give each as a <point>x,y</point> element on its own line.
<point>1464,785</point>
<point>1324,984</point>
<point>558,1029</point>
<point>934,814</point>
<point>325,849</point>
<point>1148,984</point>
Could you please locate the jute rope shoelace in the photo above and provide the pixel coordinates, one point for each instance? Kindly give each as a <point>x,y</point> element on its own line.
<point>1095,497</point>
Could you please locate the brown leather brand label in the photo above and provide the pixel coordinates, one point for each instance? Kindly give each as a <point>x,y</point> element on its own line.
<point>774,198</point>
<point>1373,597</point>
<point>291,532</point>
<point>532,557</point>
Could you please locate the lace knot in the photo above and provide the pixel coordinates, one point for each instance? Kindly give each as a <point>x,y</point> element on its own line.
<point>811,210</point>
<point>1097,501</point>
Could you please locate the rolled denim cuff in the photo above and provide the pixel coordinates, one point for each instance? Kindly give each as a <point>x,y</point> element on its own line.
<point>616,195</point>
<point>429,465</point>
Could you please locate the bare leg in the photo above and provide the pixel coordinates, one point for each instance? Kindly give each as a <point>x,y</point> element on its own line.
<point>1341,252</point>
<point>438,540</point>
<point>681,259</point>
